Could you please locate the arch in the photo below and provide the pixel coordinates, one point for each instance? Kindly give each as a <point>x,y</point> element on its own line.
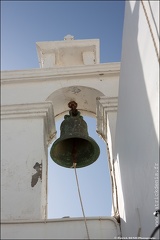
<point>87,99</point>
<point>88,177</point>
<point>84,96</point>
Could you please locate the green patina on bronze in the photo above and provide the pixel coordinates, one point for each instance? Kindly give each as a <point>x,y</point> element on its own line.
<point>74,144</point>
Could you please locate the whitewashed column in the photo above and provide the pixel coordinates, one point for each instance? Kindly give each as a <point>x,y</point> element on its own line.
<point>26,130</point>
<point>106,127</point>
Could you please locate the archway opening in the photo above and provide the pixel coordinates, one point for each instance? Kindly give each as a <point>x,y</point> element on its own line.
<point>94,181</point>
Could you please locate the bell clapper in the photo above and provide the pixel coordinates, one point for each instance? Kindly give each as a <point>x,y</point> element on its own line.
<point>74,165</point>
<point>73,112</point>
<point>74,151</point>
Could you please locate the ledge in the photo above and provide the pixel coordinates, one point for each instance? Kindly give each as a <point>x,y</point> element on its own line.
<point>64,228</point>
<point>63,219</point>
<point>44,74</point>
<point>105,105</point>
<point>32,110</point>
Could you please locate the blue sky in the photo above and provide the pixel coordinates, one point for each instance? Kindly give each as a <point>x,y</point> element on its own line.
<point>23,23</point>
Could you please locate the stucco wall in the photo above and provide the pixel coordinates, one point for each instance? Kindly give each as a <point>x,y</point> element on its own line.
<point>137,141</point>
<point>19,155</point>
<point>70,228</point>
<point>24,136</point>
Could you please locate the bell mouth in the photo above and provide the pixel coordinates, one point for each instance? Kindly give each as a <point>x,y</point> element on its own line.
<point>66,150</point>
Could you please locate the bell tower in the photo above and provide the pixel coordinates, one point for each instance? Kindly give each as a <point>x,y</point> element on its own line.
<point>32,100</point>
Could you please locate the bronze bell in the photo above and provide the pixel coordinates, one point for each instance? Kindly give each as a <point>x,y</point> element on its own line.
<point>74,144</point>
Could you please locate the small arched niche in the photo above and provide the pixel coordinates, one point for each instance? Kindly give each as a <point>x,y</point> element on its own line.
<point>94,180</point>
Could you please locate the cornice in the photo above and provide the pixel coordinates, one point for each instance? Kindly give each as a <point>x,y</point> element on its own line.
<point>23,76</point>
<point>105,105</point>
<point>32,110</point>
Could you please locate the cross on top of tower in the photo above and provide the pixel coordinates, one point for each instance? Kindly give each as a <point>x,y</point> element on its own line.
<point>69,37</point>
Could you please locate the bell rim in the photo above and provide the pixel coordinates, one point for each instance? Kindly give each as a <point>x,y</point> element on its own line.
<point>68,137</point>
<point>85,138</point>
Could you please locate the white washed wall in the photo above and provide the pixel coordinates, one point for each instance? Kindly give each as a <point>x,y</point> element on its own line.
<point>71,228</point>
<point>137,135</point>
<point>24,137</point>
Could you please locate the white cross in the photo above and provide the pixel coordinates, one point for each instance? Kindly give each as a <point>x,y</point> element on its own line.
<point>69,37</point>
